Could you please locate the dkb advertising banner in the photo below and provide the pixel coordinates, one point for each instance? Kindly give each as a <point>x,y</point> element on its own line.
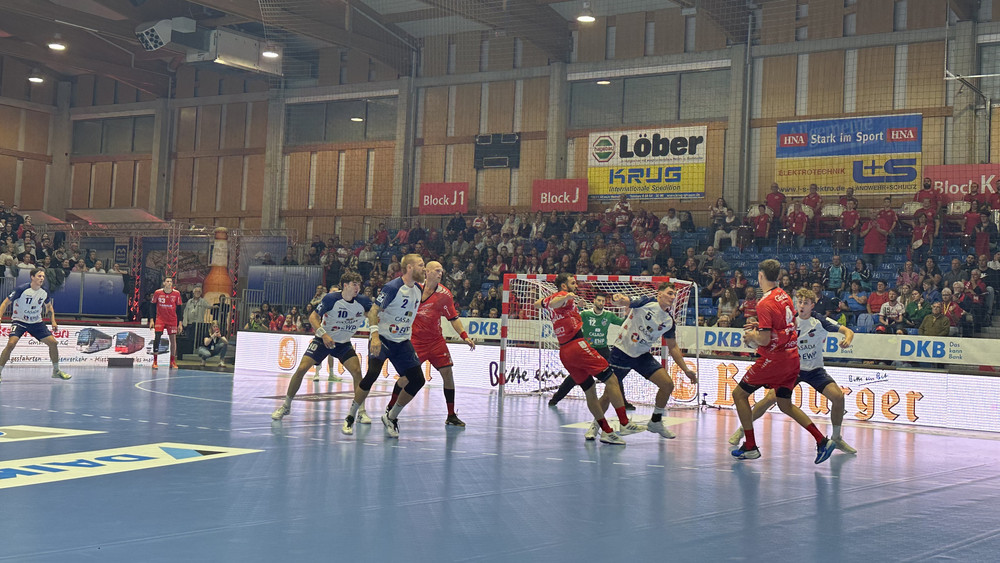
<point>873,155</point>
<point>647,163</point>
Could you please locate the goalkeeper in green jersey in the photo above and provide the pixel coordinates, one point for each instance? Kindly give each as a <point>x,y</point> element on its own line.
<point>596,322</point>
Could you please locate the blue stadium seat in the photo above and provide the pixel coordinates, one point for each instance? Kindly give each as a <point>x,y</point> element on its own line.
<point>912,331</point>
<point>486,286</point>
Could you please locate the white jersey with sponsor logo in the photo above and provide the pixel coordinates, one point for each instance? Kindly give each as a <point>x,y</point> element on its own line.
<point>342,318</point>
<point>647,322</point>
<point>397,306</point>
<point>812,339</point>
<point>29,304</point>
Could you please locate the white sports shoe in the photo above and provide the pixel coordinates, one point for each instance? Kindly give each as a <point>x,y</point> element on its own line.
<point>612,438</point>
<point>60,374</point>
<point>593,431</point>
<point>316,377</point>
<point>736,437</point>
<point>842,446</point>
<point>363,417</point>
<point>391,426</point>
<point>632,428</point>
<point>659,428</point>
<point>348,427</point>
<point>280,412</point>
<point>333,378</point>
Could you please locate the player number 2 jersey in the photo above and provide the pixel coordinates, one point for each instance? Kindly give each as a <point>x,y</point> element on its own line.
<point>566,320</point>
<point>812,339</point>
<point>645,325</point>
<point>342,318</point>
<point>775,312</point>
<point>427,325</point>
<point>29,304</point>
<point>397,307</point>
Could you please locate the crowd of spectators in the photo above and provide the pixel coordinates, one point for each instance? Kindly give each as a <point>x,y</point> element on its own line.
<point>624,239</point>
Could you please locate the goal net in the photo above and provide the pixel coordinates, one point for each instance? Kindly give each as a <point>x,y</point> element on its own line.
<point>529,351</point>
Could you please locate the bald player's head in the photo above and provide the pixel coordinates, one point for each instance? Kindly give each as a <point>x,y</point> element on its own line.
<point>434,272</point>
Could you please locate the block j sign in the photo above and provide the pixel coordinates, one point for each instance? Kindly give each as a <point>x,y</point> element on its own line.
<point>559,195</point>
<point>444,198</point>
<point>879,154</point>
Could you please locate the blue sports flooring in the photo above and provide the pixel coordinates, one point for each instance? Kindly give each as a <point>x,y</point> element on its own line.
<point>515,485</point>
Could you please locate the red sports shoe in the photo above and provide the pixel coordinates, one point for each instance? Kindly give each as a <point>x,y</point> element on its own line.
<point>154,364</point>
<point>173,364</point>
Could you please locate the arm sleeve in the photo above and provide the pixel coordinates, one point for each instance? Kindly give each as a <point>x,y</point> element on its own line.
<point>636,303</point>
<point>765,316</point>
<point>326,304</point>
<point>387,294</point>
<point>828,324</point>
<point>672,333</point>
<point>16,294</point>
<point>448,307</point>
<point>365,302</point>
<point>615,319</point>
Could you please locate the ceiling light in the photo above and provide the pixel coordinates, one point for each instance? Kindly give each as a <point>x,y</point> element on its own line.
<point>603,82</point>
<point>270,52</point>
<point>57,43</point>
<point>587,15</point>
<point>36,77</point>
<point>357,119</point>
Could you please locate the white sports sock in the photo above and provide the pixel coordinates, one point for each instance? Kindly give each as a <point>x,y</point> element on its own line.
<point>288,401</point>
<point>659,410</point>
<point>394,412</point>
<point>836,432</point>
<point>353,411</point>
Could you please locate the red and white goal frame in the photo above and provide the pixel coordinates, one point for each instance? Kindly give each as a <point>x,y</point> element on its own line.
<point>529,352</point>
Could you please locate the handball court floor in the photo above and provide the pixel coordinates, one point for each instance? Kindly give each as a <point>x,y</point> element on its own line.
<point>516,484</point>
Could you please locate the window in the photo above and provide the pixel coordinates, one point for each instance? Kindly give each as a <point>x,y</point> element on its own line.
<point>989,64</point>
<point>651,99</point>
<point>336,122</point>
<point>850,25</point>
<point>120,135</point>
<point>689,28</point>
<point>595,104</point>
<point>705,95</point>
<point>801,33</point>
<point>899,15</point>
<point>801,11</point>
<point>609,42</point>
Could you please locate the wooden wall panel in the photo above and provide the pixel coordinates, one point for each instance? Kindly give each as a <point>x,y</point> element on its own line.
<point>44,93</point>
<point>324,227</point>
<point>10,124</point>
<point>296,224</point>
<point>432,163</point>
<point>209,119</point>
<point>327,164</point>
<point>8,169</point>
<point>496,188</point>
<point>187,125</point>
<point>462,165</point>
<point>434,56</point>
<point>250,223</point>
<point>925,14</point>
<point>101,189</point>
<point>298,180</point>
<point>532,56</point>
<point>581,151</point>
<point>236,126</point>
<point>355,179</point>
<point>83,91</point>
<point>185,82</point>
<point>875,78</point>
<point>33,184</point>
<point>231,85</point>
<point>708,35</point>
<point>592,40</point>
<point>826,19</point>
<point>124,183</point>
<point>258,125</point>
<point>36,132</point>
<point>104,91</point>
<point>501,53</point>
<point>80,197</point>
<point>143,168</point>
<point>668,32</point>
<point>14,79</point>
<point>467,50</point>
<point>328,67</point>
<point>255,184</point>
<point>207,83</point>
<point>382,194</point>
<point>765,155</point>
<point>384,72</point>
<point>207,184</point>
<point>630,35</point>
<point>227,222</point>
<point>125,94</point>
<point>532,168</point>
<point>933,147</point>
<point>875,16</point>
<point>182,185</point>
<point>501,108</point>
<point>467,107</point>
<point>777,22</point>
<point>357,67</point>
<point>826,83</point>
<point>924,69</point>
<point>435,124</point>
<point>714,158</point>
<point>535,104</point>
<point>778,99</point>
<point>231,186</point>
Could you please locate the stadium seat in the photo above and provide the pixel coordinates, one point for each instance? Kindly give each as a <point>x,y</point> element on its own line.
<point>912,331</point>
<point>704,302</point>
<point>866,323</point>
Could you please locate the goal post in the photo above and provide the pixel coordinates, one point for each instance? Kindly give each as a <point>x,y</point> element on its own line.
<point>529,351</point>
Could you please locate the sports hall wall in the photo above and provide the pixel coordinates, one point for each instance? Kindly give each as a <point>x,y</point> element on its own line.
<point>237,150</point>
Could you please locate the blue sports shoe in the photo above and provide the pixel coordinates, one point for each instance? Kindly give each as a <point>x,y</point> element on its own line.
<point>824,450</point>
<point>743,453</point>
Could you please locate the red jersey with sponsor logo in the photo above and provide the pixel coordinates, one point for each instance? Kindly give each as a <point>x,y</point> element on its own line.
<point>775,312</point>
<point>774,201</point>
<point>797,222</point>
<point>166,306</point>
<point>850,220</point>
<point>566,320</point>
<point>888,218</point>
<point>427,323</point>
<point>813,200</point>
<point>761,223</point>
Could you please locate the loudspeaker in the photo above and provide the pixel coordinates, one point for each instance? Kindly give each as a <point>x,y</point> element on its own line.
<point>120,362</point>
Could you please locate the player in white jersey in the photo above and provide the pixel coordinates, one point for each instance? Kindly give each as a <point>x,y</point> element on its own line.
<point>30,302</point>
<point>813,330</point>
<point>649,319</point>
<point>336,319</point>
<point>333,378</point>
<point>389,323</point>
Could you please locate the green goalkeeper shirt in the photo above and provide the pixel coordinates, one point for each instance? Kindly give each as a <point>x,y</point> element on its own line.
<point>595,327</point>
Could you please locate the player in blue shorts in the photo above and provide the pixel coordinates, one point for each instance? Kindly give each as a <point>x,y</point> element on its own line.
<point>389,322</point>
<point>336,319</point>
<point>29,301</point>
<point>649,319</point>
<point>813,330</point>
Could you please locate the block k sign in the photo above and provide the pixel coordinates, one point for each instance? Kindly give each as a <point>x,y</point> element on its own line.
<point>559,195</point>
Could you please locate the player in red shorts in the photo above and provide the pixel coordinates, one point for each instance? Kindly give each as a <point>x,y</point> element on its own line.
<point>778,365</point>
<point>428,340</point>
<point>165,302</point>
<point>583,362</point>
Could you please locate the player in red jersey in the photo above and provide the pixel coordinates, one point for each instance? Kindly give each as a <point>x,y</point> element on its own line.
<point>777,367</point>
<point>583,362</point>
<point>165,302</point>
<point>428,340</point>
